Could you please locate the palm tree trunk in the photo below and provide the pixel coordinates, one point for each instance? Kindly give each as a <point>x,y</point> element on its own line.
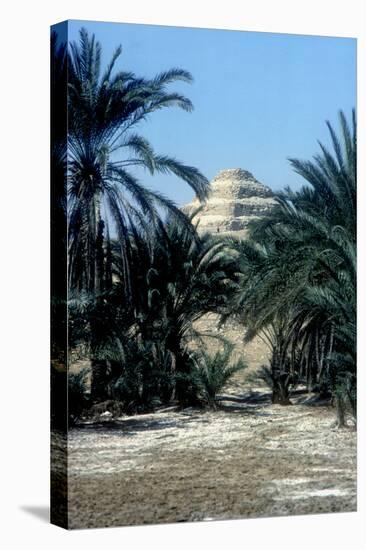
<point>99,367</point>
<point>281,380</point>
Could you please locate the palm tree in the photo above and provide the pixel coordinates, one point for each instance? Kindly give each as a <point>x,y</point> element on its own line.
<point>177,277</point>
<point>103,111</point>
<point>301,264</point>
<point>262,303</point>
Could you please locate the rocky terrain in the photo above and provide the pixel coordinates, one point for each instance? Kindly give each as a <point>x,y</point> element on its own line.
<point>236,199</point>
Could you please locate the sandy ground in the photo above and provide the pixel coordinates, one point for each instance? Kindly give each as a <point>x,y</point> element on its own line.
<point>248,459</point>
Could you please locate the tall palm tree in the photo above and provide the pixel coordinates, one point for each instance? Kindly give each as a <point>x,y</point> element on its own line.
<point>301,262</point>
<point>104,110</point>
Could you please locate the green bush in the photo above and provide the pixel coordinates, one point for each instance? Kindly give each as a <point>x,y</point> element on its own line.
<point>213,372</point>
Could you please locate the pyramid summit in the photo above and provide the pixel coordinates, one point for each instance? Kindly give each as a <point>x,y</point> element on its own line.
<point>235,199</point>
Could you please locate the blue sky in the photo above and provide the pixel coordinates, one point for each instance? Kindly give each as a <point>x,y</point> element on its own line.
<point>258,98</point>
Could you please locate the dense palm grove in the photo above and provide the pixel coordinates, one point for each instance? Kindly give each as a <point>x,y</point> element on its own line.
<point>140,276</point>
<point>297,285</point>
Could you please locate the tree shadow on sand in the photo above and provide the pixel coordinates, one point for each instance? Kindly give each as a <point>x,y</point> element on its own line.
<point>131,426</point>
